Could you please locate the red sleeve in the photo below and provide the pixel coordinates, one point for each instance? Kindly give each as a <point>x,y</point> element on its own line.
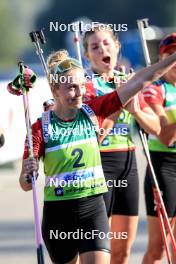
<point>105,105</point>
<point>38,143</point>
<point>153,94</point>
<point>90,91</point>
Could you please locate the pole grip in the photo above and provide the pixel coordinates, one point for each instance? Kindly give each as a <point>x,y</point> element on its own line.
<point>41,36</point>
<point>143,24</point>
<point>33,36</point>
<point>37,36</point>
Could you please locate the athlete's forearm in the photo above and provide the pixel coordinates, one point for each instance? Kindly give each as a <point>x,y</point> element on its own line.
<point>167,135</point>
<point>145,77</point>
<point>107,125</point>
<point>148,121</point>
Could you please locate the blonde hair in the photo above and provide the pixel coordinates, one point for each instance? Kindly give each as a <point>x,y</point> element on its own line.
<point>56,57</point>
<point>97,28</point>
<point>53,59</point>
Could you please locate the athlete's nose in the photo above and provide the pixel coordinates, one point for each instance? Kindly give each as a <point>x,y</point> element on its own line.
<point>79,91</point>
<point>101,48</point>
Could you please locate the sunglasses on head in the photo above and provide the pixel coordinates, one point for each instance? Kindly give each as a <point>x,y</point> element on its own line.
<point>66,65</point>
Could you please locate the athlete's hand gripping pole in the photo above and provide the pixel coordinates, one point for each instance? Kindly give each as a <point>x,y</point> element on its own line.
<point>2,138</point>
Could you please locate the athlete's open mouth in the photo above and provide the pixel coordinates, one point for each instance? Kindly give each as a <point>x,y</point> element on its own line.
<point>106,59</point>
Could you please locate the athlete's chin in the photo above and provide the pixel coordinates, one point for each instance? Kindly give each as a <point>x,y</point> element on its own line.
<point>107,67</point>
<point>76,105</point>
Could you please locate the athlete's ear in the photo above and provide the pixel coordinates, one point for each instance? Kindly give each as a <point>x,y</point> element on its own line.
<point>54,91</point>
<point>118,45</point>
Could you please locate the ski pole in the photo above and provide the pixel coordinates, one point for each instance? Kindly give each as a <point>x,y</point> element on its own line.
<point>38,234</point>
<point>18,87</point>
<point>160,207</point>
<point>38,37</point>
<point>142,24</point>
<point>77,40</point>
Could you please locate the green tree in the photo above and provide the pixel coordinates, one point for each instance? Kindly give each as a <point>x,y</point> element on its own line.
<point>17,18</point>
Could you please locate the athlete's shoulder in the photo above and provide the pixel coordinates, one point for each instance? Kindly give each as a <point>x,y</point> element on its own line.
<point>37,124</point>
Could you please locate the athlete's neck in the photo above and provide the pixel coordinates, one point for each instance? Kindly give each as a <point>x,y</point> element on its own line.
<point>170,79</point>
<point>66,114</point>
